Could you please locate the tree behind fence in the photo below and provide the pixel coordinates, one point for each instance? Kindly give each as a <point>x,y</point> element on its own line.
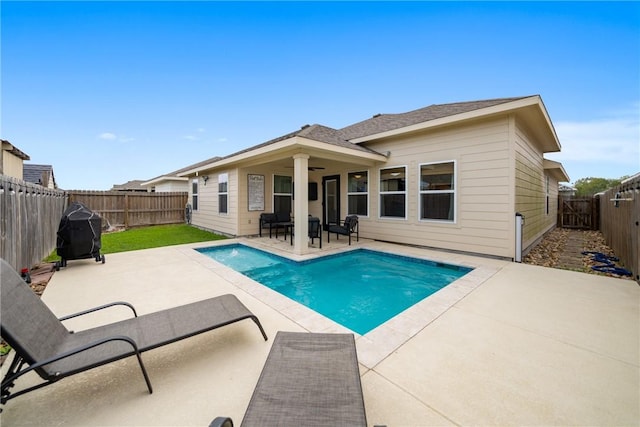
<point>29,219</point>
<point>620,222</point>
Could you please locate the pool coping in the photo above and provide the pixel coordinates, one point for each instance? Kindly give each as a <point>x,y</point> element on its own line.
<point>376,345</point>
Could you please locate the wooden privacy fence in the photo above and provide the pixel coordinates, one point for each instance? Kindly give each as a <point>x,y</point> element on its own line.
<point>131,209</point>
<point>29,219</point>
<point>619,222</point>
<point>578,213</point>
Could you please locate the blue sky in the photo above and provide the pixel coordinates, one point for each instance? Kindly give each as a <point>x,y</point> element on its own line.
<point>108,92</point>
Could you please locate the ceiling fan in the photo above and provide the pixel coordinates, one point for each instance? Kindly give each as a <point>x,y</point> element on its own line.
<point>311,168</point>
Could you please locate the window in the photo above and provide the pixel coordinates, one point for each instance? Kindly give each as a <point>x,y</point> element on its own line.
<point>393,192</point>
<point>194,194</point>
<point>547,194</point>
<point>282,189</point>
<point>358,193</point>
<point>437,191</point>
<point>223,193</point>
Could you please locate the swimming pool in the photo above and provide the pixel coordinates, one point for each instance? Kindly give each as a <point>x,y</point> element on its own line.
<point>359,289</point>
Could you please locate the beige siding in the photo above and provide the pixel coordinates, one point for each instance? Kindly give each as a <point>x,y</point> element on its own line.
<point>531,189</point>
<point>483,208</point>
<point>248,221</point>
<point>171,186</point>
<point>207,216</point>
<point>12,165</point>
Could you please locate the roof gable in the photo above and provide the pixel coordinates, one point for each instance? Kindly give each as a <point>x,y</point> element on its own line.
<point>386,122</point>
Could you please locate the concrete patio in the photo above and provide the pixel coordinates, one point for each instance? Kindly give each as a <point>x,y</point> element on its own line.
<point>508,344</point>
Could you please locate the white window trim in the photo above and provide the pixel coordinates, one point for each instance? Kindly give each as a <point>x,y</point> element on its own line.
<point>405,192</point>
<point>194,206</point>
<point>547,204</point>
<point>225,193</point>
<point>360,193</point>
<point>454,192</point>
<point>273,191</point>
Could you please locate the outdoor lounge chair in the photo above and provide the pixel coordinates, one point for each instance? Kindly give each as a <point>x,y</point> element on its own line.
<point>348,227</point>
<point>308,380</point>
<point>42,343</point>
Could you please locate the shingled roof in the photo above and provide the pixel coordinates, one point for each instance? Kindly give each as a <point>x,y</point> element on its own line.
<point>38,174</point>
<point>386,122</point>
<point>377,124</point>
<point>314,132</point>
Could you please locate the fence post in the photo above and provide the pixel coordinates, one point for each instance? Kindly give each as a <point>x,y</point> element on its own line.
<point>126,211</point>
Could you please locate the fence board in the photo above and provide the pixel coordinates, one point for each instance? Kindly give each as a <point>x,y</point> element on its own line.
<point>30,215</point>
<point>122,209</point>
<point>29,219</point>
<point>620,223</point>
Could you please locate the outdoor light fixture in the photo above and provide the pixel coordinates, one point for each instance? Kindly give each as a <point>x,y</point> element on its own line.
<point>205,178</point>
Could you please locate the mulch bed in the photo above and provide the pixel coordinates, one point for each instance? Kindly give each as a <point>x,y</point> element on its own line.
<point>562,248</point>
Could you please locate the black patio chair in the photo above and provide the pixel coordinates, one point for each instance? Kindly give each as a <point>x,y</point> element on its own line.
<point>308,380</point>
<point>347,228</point>
<point>315,230</point>
<point>283,220</point>
<point>266,221</point>
<point>44,345</point>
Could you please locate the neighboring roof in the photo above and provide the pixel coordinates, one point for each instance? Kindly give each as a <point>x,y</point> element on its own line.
<point>556,170</point>
<point>386,122</point>
<point>33,173</point>
<point>173,176</point>
<point>134,185</point>
<point>7,146</point>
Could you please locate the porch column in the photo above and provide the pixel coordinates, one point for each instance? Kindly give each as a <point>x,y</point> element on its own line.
<point>301,203</point>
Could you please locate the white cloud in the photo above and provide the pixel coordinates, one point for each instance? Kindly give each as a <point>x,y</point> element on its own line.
<point>222,139</point>
<point>107,136</point>
<point>606,146</point>
<point>190,138</point>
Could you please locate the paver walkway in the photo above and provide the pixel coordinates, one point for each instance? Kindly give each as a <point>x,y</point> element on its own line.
<point>571,257</point>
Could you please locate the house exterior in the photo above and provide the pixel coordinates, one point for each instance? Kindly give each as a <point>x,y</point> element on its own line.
<point>11,160</point>
<point>450,176</point>
<point>131,186</point>
<point>567,191</point>
<point>40,174</point>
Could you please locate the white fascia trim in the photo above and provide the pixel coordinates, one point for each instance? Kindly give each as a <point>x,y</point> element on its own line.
<point>289,143</point>
<point>164,178</point>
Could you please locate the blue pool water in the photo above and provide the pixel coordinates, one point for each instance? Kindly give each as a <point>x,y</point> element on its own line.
<point>359,289</point>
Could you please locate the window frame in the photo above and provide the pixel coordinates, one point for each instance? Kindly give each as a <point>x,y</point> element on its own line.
<point>453,191</point>
<point>195,185</point>
<point>274,194</point>
<point>224,194</point>
<point>364,194</point>
<point>382,193</point>
<point>547,183</point>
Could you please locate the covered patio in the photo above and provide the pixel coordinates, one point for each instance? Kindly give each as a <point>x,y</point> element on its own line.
<point>508,344</point>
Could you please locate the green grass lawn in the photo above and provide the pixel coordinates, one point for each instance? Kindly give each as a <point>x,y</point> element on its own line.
<point>150,237</point>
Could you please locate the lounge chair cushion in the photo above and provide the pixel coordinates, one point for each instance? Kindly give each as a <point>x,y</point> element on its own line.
<point>308,380</point>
